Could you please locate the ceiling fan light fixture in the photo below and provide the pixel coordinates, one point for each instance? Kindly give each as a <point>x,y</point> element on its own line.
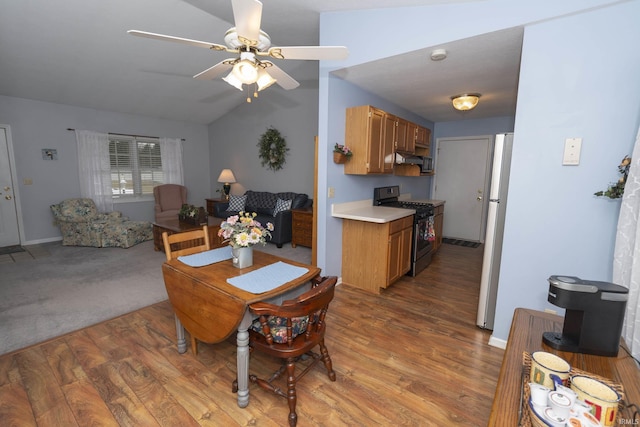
<point>465,101</point>
<point>264,80</point>
<point>246,71</point>
<point>233,80</point>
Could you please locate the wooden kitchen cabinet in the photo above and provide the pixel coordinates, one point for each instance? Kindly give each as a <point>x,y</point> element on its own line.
<point>374,255</point>
<point>438,222</point>
<point>405,136</point>
<point>423,140</point>
<point>370,134</point>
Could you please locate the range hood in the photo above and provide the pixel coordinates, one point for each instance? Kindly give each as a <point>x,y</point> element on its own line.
<point>402,159</point>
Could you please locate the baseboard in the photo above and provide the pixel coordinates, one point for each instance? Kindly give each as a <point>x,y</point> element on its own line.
<point>37,242</point>
<point>497,342</point>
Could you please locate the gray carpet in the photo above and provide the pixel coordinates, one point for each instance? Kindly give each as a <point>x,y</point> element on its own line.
<point>76,287</point>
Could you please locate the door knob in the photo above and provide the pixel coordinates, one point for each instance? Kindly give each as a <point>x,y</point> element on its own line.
<point>7,197</point>
<point>479,198</point>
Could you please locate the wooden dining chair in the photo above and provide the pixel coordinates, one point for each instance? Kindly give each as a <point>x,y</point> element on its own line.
<point>290,332</point>
<point>186,243</point>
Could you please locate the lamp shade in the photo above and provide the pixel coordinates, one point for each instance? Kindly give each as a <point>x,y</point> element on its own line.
<point>233,80</point>
<point>264,79</point>
<point>226,176</point>
<point>246,71</point>
<point>466,101</point>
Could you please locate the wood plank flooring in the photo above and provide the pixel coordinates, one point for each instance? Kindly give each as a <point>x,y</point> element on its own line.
<point>411,356</point>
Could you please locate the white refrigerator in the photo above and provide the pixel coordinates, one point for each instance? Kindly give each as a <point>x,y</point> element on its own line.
<point>495,225</point>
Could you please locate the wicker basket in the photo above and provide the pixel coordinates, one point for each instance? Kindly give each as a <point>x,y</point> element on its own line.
<point>529,419</point>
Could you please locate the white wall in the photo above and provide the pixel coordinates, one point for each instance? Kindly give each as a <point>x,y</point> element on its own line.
<point>294,113</point>
<point>554,224</point>
<point>36,125</point>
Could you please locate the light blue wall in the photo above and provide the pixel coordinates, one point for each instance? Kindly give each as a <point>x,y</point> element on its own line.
<point>579,79</point>
<point>573,50</point>
<point>36,125</point>
<point>475,127</point>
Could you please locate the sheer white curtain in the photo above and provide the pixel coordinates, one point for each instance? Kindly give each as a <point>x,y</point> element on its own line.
<point>626,259</point>
<point>94,168</point>
<point>171,149</point>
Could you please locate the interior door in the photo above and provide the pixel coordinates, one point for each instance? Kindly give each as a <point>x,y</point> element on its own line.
<point>9,235</point>
<point>462,179</point>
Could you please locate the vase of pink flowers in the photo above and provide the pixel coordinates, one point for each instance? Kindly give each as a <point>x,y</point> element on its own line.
<point>242,231</point>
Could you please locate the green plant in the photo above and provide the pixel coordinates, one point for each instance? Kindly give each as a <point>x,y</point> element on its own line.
<point>342,149</point>
<point>190,211</point>
<point>615,191</point>
<point>243,230</point>
<point>273,149</point>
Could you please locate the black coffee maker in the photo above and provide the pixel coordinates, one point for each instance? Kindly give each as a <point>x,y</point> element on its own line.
<point>594,315</point>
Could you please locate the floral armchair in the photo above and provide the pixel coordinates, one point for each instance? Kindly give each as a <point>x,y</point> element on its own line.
<point>82,225</point>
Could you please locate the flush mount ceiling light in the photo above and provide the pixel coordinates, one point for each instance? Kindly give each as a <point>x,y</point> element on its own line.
<point>465,101</point>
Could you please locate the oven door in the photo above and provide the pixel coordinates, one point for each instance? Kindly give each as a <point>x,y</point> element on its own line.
<point>422,246</point>
<point>421,243</point>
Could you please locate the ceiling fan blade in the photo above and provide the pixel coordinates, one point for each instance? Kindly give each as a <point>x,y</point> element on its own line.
<point>283,79</point>
<point>215,71</point>
<point>181,40</point>
<point>247,15</point>
<point>309,52</point>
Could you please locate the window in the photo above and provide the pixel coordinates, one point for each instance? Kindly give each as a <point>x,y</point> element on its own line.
<point>136,165</point>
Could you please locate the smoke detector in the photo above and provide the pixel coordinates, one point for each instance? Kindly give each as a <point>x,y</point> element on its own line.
<point>438,54</point>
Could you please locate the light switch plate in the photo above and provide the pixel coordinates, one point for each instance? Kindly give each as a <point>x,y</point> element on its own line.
<point>572,147</point>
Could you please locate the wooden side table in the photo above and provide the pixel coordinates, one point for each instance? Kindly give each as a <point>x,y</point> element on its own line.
<point>173,225</point>
<point>211,203</point>
<point>526,335</point>
<point>302,227</point>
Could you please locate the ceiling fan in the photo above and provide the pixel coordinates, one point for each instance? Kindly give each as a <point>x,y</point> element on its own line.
<point>251,44</point>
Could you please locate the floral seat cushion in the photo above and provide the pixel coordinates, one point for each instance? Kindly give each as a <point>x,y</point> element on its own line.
<point>278,327</point>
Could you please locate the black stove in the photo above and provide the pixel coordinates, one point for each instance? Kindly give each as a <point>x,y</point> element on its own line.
<point>423,226</point>
<point>388,196</point>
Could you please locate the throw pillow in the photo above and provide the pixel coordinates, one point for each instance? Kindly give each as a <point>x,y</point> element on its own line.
<point>236,203</point>
<point>281,206</point>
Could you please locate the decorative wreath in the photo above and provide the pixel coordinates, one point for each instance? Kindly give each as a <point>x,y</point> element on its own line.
<point>273,149</point>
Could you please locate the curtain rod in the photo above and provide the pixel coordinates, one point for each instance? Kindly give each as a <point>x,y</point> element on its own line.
<point>124,134</point>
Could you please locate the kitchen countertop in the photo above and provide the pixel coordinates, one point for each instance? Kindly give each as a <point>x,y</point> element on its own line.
<point>364,210</point>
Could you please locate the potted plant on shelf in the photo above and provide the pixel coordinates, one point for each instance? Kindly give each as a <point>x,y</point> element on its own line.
<point>341,153</point>
<point>242,232</point>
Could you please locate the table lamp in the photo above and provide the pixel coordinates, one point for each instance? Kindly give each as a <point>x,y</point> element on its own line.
<point>226,176</point>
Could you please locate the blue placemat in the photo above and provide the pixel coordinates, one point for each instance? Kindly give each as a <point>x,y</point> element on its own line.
<point>266,278</point>
<point>207,257</point>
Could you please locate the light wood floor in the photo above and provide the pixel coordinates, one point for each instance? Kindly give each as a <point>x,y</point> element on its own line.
<point>411,356</point>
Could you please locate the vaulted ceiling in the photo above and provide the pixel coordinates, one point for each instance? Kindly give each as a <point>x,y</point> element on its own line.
<point>78,52</point>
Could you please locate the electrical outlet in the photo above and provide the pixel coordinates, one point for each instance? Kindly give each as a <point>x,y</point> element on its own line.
<point>331,192</point>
